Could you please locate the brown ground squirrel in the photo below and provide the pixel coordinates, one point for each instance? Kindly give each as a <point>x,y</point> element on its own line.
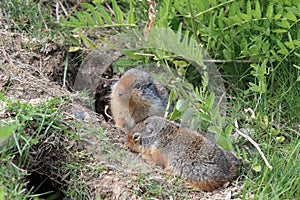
<point>136,96</point>
<point>183,152</point>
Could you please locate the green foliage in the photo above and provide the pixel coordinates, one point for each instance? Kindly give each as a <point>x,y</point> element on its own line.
<point>42,120</point>
<point>257,44</point>
<point>222,138</point>
<point>262,33</point>
<point>5,131</point>
<point>259,72</point>
<point>10,187</point>
<point>95,16</point>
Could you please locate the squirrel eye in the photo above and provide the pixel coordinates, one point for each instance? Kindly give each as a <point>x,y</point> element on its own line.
<point>150,85</point>
<point>136,136</point>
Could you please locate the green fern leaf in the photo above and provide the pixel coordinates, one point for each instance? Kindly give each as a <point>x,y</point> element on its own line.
<point>257,12</point>
<point>270,11</point>
<point>248,8</point>
<point>73,21</point>
<point>105,15</point>
<point>118,12</point>
<point>81,18</point>
<point>89,19</point>
<point>131,19</point>
<point>95,13</point>
<point>87,6</point>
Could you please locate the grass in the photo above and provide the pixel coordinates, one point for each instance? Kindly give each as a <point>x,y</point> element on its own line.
<point>12,179</point>
<point>35,19</point>
<point>276,130</point>
<point>275,127</point>
<point>282,182</point>
<point>38,144</point>
<point>159,187</point>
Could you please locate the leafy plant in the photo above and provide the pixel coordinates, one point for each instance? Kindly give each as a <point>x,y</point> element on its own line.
<point>195,104</point>
<point>95,16</point>
<point>238,33</point>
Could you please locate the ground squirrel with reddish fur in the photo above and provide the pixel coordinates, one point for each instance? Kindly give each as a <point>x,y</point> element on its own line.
<point>184,152</point>
<point>136,96</point>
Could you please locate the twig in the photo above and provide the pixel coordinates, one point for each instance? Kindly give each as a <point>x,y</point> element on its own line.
<point>254,144</point>
<point>75,7</point>
<point>144,54</point>
<point>226,61</point>
<point>64,10</point>
<point>110,9</point>
<point>106,113</point>
<point>21,170</point>
<point>57,10</point>
<point>151,17</point>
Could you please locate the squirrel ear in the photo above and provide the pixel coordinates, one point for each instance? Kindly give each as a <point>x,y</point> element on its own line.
<point>137,86</point>
<point>150,129</point>
<point>136,136</point>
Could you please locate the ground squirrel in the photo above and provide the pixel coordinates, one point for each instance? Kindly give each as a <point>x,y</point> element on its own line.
<point>136,96</point>
<point>183,152</point>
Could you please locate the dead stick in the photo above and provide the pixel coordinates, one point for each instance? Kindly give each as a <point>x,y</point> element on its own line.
<point>254,144</point>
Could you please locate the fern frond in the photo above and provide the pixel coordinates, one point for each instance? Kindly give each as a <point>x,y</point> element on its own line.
<point>180,45</point>
<point>96,16</point>
<point>118,12</point>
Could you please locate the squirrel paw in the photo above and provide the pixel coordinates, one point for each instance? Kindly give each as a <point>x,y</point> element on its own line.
<point>154,156</point>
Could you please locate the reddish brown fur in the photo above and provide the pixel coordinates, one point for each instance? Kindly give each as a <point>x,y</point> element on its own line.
<point>154,156</point>
<point>207,186</point>
<point>130,143</point>
<point>183,152</point>
<point>131,104</point>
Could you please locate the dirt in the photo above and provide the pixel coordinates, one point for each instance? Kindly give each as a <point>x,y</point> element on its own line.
<point>33,75</point>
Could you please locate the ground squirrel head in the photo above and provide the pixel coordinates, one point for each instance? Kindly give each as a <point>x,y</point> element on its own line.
<point>134,142</point>
<point>135,97</point>
<point>122,91</point>
<point>146,133</point>
<point>138,136</point>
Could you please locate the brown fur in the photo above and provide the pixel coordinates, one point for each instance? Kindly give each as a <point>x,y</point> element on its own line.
<point>184,152</point>
<point>132,101</point>
<point>207,186</point>
<point>154,156</point>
